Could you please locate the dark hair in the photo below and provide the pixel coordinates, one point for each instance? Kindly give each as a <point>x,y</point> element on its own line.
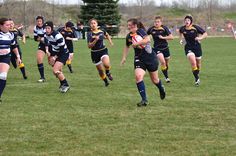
<point>40,17</point>
<point>158,17</point>
<point>92,19</point>
<point>189,17</point>
<point>48,23</point>
<point>135,21</point>
<point>69,24</point>
<point>3,20</point>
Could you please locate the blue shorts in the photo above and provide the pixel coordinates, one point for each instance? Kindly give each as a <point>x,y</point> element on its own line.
<point>98,55</point>
<point>196,50</point>
<point>147,62</point>
<point>5,58</point>
<point>42,46</point>
<point>63,57</point>
<point>164,51</point>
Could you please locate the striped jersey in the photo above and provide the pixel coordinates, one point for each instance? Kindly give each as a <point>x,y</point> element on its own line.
<point>56,41</point>
<point>38,32</point>
<point>6,41</point>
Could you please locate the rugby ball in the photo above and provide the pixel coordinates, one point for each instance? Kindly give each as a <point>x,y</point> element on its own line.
<point>136,39</point>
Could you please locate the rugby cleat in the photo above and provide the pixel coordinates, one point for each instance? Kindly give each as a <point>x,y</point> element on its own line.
<point>109,76</point>
<point>197,83</point>
<point>41,80</point>
<point>162,92</point>
<point>142,103</point>
<point>106,84</point>
<point>64,89</point>
<point>167,80</point>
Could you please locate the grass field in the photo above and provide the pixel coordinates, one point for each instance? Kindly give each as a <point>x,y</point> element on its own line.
<point>92,120</point>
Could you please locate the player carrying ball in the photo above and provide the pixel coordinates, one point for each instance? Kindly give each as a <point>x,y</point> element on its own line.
<point>144,59</point>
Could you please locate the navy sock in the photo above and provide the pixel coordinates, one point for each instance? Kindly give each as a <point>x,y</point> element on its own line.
<point>159,85</point>
<point>23,71</point>
<point>196,74</point>
<point>2,86</point>
<point>41,70</point>
<point>141,89</point>
<point>165,72</point>
<point>64,82</point>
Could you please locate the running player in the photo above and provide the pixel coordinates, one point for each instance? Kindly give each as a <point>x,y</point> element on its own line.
<point>57,54</point>
<point>144,59</point>
<point>38,37</point>
<point>6,42</point>
<point>99,52</point>
<point>193,34</point>
<point>69,36</point>
<point>17,33</point>
<point>161,34</point>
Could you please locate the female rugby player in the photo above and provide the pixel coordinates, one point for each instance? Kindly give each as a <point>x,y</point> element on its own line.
<point>193,34</point>
<point>144,59</point>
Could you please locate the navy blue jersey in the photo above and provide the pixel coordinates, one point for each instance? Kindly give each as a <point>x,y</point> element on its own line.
<point>67,33</point>
<point>156,32</point>
<point>7,42</point>
<point>100,43</point>
<point>57,42</point>
<point>138,51</point>
<point>190,34</point>
<point>16,33</point>
<point>38,32</point>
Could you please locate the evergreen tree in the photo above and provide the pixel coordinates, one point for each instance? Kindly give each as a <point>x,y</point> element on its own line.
<point>105,11</point>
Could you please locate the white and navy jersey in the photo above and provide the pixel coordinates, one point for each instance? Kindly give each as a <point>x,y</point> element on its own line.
<point>6,42</point>
<point>38,32</point>
<point>56,41</point>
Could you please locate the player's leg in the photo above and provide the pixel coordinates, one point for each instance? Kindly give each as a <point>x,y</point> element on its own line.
<point>139,75</point>
<point>192,60</point>
<point>69,61</point>
<point>40,55</point>
<point>101,73</point>
<point>106,63</point>
<point>22,66</point>
<point>162,61</point>
<point>4,68</point>
<point>57,71</point>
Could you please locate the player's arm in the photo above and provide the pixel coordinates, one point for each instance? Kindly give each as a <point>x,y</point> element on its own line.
<point>169,37</point>
<point>145,40</point>
<point>16,51</point>
<point>72,39</point>
<point>108,37</point>
<point>201,37</point>
<point>92,40</point>
<point>124,55</point>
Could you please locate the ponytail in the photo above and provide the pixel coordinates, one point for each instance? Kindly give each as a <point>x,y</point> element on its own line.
<point>135,21</point>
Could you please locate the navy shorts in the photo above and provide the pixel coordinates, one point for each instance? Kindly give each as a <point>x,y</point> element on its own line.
<point>42,46</point>
<point>196,50</point>
<point>63,57</point>
<point>97,56</point>
<point>5,58</point>
<point>164,51</point>
<point>70,48</point>
<point>149,62</point>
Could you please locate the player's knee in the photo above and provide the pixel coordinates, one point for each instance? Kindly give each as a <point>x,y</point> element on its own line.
<point>57,73</point>
<point>138,77</point>
<point>3,76</point>
<point>100,72</point>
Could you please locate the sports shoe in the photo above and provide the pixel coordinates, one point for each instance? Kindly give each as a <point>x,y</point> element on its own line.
<point>64,89</point>
<point>142,103</point>
<point>106,84</point>
<point>167,80</point>
<point>41,80</point>
<point>110,77</point>
<point>162,93</point>
<point>197,83</point>
<point>25,77</point>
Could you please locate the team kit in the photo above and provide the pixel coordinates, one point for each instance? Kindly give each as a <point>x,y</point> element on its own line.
<point>57,46</point>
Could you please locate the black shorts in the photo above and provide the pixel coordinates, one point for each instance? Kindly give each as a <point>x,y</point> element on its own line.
<point>164,51</point>
<point>13,57</point>
<point>62,57</point>
<point>196,50</point>
<point>42,46</point>
<point>5,58</point>
<point>70,48</point>
<point>98,55</point>
<point>149,63</point>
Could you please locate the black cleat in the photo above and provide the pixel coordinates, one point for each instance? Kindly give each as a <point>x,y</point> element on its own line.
<point>110,77</point>
<point>41,80</point>
<point>25,77</point>
<point>142,103</point>
<point>162,93</point>
<point>106,84</point>
<point>64,89</point>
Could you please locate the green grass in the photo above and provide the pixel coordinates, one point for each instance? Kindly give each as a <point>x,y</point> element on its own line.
<point>91,120</point>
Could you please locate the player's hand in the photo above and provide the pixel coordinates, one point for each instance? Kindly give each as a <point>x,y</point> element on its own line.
<point>198,39</point>
<point>18,61</point>
<point>51,60</point>
<point>161,37</point>
<point>181,42</point>
<point>122,61</point>
<point>48,54</point>
<point>135,45</point>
